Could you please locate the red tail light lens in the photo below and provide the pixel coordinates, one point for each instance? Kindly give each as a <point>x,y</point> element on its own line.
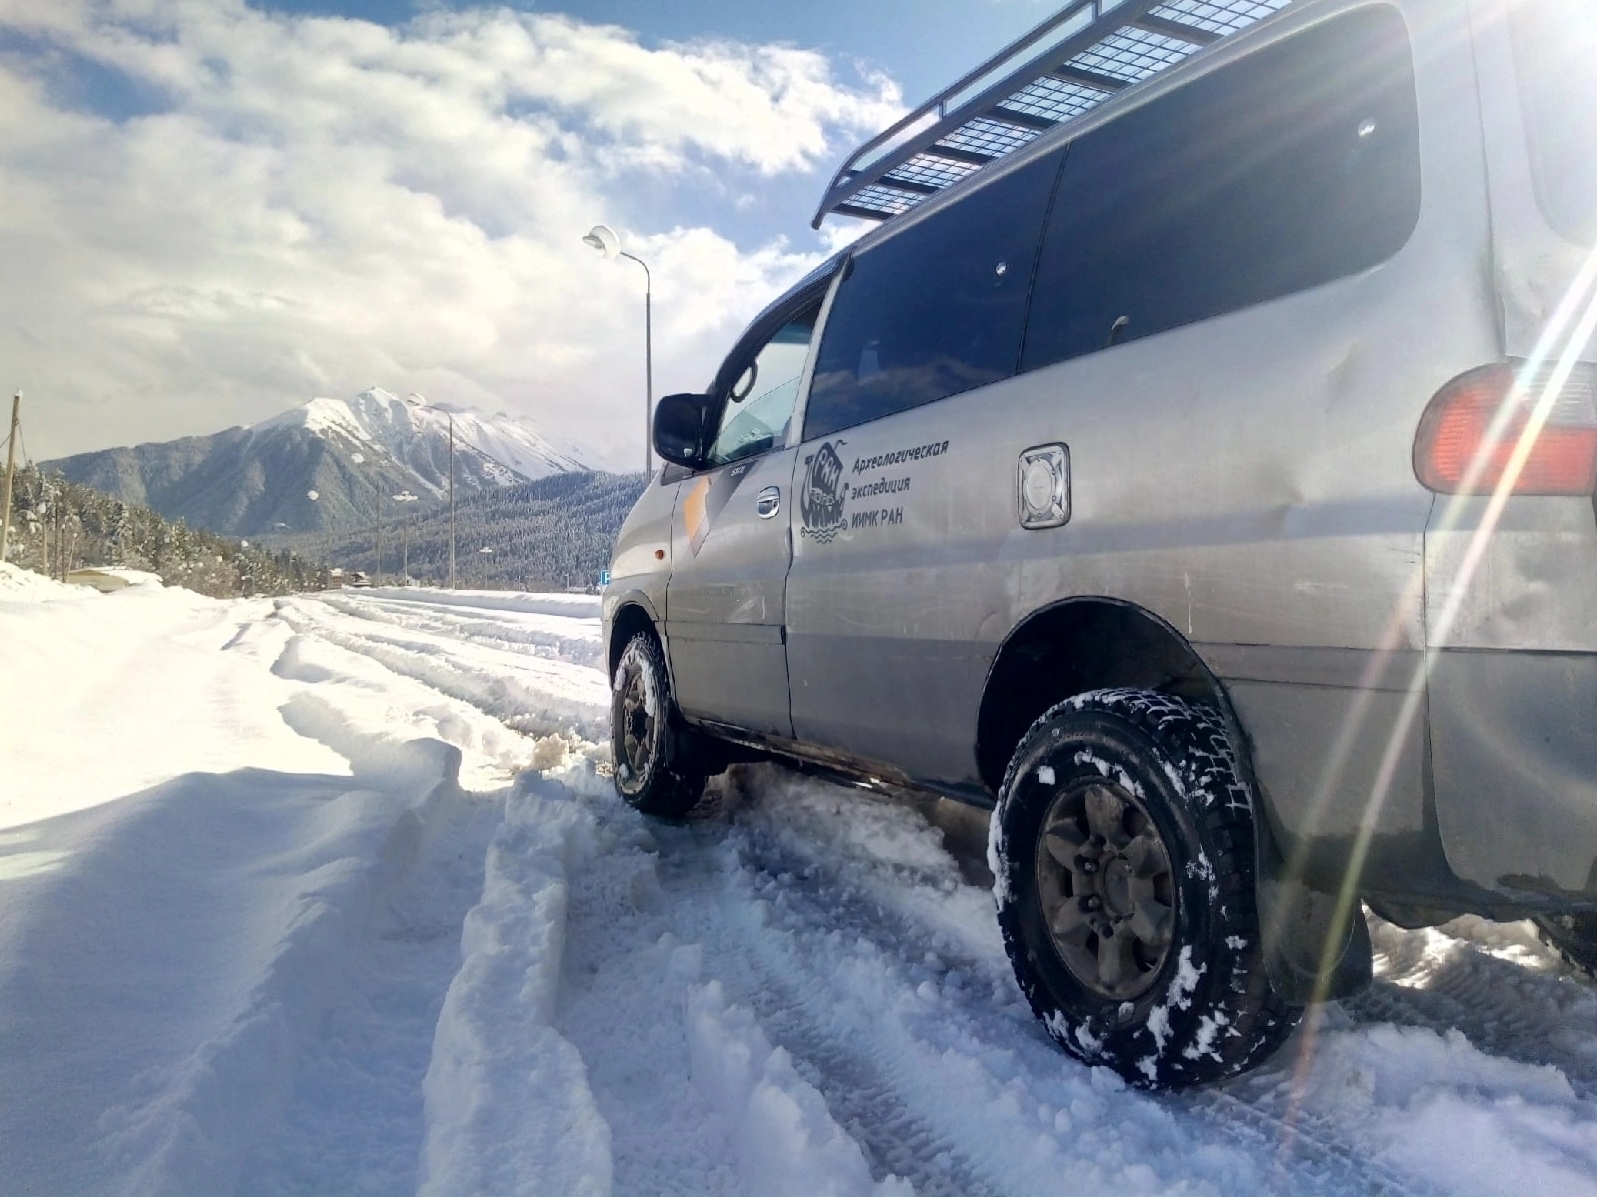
<point>1473,428</point>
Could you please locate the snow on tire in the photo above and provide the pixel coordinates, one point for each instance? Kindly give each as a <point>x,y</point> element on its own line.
<point>1123,851</point>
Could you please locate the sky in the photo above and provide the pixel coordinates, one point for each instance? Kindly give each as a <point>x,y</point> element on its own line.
<point>212,211</point>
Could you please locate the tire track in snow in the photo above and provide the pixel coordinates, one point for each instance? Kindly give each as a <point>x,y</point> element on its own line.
<point>1283,1150</point>
<point>355,1123</point>
<point>700,876</point>
<point>529,694</point>
<point>529,634</point>
<point>1498,985</point>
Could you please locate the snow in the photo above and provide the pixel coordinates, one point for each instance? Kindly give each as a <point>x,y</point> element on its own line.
<point>18,585</point>
<point>331,895</point>
<point>377,420</point>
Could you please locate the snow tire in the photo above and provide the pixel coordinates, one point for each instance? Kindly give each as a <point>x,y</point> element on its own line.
<point>1123,852</point>
<point>653,771</point>
<point>1573,937</point>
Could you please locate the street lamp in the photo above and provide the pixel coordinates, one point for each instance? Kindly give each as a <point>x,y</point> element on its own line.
<point>486,553</point>
<point>405,496</point>
<point>416,400</point>
<point>603,238</point>
<point>377,485</point>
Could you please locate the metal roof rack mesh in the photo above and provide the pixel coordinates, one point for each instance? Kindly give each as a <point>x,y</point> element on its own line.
<point>1075,60</point>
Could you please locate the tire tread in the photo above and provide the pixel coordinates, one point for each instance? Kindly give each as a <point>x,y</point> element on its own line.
<point>1194,739</point>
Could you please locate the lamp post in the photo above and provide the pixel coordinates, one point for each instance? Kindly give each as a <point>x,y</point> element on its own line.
<point>485,553</point>
<point>405,496</point>
<point>603,238</point>
<point>377,485</point>
<point>416,400</point>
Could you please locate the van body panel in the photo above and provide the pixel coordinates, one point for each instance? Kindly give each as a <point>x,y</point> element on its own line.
<point>636,574</point>
<point>1535,268</point>
<point>1515,758</point>
<point>896,610</point>
<point>725,602</point>
<point>1525,580</point>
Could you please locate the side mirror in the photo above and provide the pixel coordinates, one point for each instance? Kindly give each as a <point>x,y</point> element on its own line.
<point>679,423</point>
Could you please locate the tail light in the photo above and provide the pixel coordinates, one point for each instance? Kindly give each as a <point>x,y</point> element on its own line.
<point>1497,427</point>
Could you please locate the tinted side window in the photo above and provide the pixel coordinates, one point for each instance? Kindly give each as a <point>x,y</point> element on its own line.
<point>936,309</point>
<point>1292,167</point>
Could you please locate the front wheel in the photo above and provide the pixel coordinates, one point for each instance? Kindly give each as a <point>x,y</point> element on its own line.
<point>653,772</point>
<point>1123,851</point>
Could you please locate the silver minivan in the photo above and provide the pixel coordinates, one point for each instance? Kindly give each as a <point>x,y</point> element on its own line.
<point>1196,469</point>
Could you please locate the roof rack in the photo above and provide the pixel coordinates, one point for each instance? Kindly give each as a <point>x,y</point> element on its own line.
<point>1075,60</point>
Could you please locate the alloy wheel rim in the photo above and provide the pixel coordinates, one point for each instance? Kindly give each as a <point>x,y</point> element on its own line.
<point>1107,889</point>
<point>637,730</point>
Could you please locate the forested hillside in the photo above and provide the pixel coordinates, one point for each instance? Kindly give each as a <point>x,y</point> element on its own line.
<point>550,534</point>
<point>58,526</point>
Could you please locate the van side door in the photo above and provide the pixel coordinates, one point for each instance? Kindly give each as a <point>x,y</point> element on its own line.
<point>907,482</point>
<point>730,548</point>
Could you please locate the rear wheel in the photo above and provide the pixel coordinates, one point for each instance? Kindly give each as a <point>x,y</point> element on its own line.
<point>653,771</point>
<point>1572,936</point>
<point>1123,852</point>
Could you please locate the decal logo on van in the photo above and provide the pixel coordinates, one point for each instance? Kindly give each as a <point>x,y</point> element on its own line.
<point>821,500</point>
<point>696,514</point>
<point>706,499</point>
<point>827,490</point>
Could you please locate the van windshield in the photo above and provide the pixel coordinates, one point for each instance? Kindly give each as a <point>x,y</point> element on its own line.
<point>1555,47</point>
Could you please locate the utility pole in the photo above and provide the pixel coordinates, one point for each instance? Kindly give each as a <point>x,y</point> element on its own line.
<point>379,580</point>
<point>451,499</point>
<point>405,496</point>
<point>418,401</point>
<point>11,465</point>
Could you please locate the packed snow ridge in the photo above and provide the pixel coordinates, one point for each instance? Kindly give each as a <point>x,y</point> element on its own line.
<point>333,896</point>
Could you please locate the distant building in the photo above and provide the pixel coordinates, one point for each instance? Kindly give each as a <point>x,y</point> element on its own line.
<point>106,578</point>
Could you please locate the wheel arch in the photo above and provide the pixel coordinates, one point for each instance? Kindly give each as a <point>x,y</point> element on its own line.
<point>633,614</point>
<point>1080,644</point>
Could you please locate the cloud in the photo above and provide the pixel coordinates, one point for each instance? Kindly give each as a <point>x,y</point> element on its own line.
<point>304,206</point>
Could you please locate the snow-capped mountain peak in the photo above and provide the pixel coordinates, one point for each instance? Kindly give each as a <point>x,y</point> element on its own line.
<point>414,433</point>
<point>327,464</point>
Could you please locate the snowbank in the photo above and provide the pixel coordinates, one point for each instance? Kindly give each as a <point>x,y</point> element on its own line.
<point>508,1105</point>
<point>25,586</point>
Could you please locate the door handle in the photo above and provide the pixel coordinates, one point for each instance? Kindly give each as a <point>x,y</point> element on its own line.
<point>769,502</point>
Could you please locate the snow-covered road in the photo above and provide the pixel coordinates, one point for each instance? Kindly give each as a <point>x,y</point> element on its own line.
<point>329,895</point>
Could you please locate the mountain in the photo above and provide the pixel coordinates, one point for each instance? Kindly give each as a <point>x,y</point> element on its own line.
<point>549,534</point>
<point>298,472</point>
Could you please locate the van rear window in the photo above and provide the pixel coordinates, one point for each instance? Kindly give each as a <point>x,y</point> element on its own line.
<point>1292,166</point>
<point>1555,49</point>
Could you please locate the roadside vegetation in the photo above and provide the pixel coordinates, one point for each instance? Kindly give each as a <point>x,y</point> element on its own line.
<point>59,526</point>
